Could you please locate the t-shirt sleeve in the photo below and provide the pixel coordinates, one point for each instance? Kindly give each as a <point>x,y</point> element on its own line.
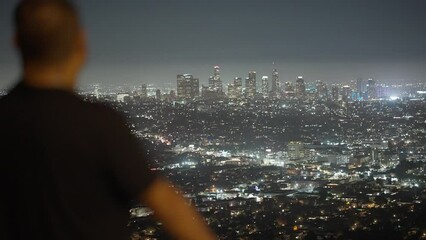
<point>127,161</point>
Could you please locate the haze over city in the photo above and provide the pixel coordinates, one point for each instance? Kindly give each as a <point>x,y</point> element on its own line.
<point>153,41</point>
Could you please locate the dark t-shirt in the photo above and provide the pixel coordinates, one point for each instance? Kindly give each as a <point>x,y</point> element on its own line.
<point>68,168</point>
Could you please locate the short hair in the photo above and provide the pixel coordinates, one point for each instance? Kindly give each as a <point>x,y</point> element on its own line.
<point>46,30</point>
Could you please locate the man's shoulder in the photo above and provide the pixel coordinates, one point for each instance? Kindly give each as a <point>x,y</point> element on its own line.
<point>6,99</point>
<point>100,113</point>
<point>102,110</point>
<point>68,103</point>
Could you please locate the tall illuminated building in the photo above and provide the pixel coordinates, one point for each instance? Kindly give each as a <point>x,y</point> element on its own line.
<point>144,91</point>
<point>288,90</point>
<point>275,84</point>
<point>346,93</point>
<point>382,90</point>
<point>322,90</point>
<point>238,87</point>
<point>251,84</point>
<point>371,89</point>
<point>231,90</point>
<point>300,87</point>
<point>265,86</point>
<point>215,83</point>
<point>211,83</point>
<point>188,87</point>
<point>235,88</point>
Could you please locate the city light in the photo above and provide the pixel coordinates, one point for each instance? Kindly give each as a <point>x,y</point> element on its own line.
<point>313,152</point>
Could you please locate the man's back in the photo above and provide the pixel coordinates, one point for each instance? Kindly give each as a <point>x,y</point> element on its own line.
<point>61,170</point>
<point>69,169</point>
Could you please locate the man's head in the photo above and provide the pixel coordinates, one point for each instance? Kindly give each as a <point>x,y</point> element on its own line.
<point>49,36</point>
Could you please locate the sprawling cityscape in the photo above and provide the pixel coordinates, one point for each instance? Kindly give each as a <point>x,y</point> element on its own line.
<point>276,120</point>
<point>264,159</point>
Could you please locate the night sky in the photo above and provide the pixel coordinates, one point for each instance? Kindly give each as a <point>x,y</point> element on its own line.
<point>135,41</point>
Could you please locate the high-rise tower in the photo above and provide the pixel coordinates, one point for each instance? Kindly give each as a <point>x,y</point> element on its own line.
<point>322,90</point>
<point>215,83</point>
<point>360,88</point>
<point>288,90</point>
<point>275,84</point>
<point>188,87</point>
<point>265,86</point>
<point>371,89</point>
<point>144,91</point>
<point>300,88</point>
<point>251,84</point>
<point>346,93</point>
<point>238,85</point>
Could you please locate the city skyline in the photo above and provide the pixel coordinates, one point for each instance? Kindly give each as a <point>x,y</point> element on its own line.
<point>311,165</point>
<point>334,41</point>
<point>188,88</point>
<point>276,81</point>
<point>273,119</point>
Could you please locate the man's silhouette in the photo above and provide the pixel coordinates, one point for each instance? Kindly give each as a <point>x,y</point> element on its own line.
<point>69,168</point>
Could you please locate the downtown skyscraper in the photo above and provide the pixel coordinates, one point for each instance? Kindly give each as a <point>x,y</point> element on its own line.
<point>251,84</point>
<point>275,84</point>
<point>265,86</point>
<point>215,82</point>
<point>300,87</point>
<point>188,87</point>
